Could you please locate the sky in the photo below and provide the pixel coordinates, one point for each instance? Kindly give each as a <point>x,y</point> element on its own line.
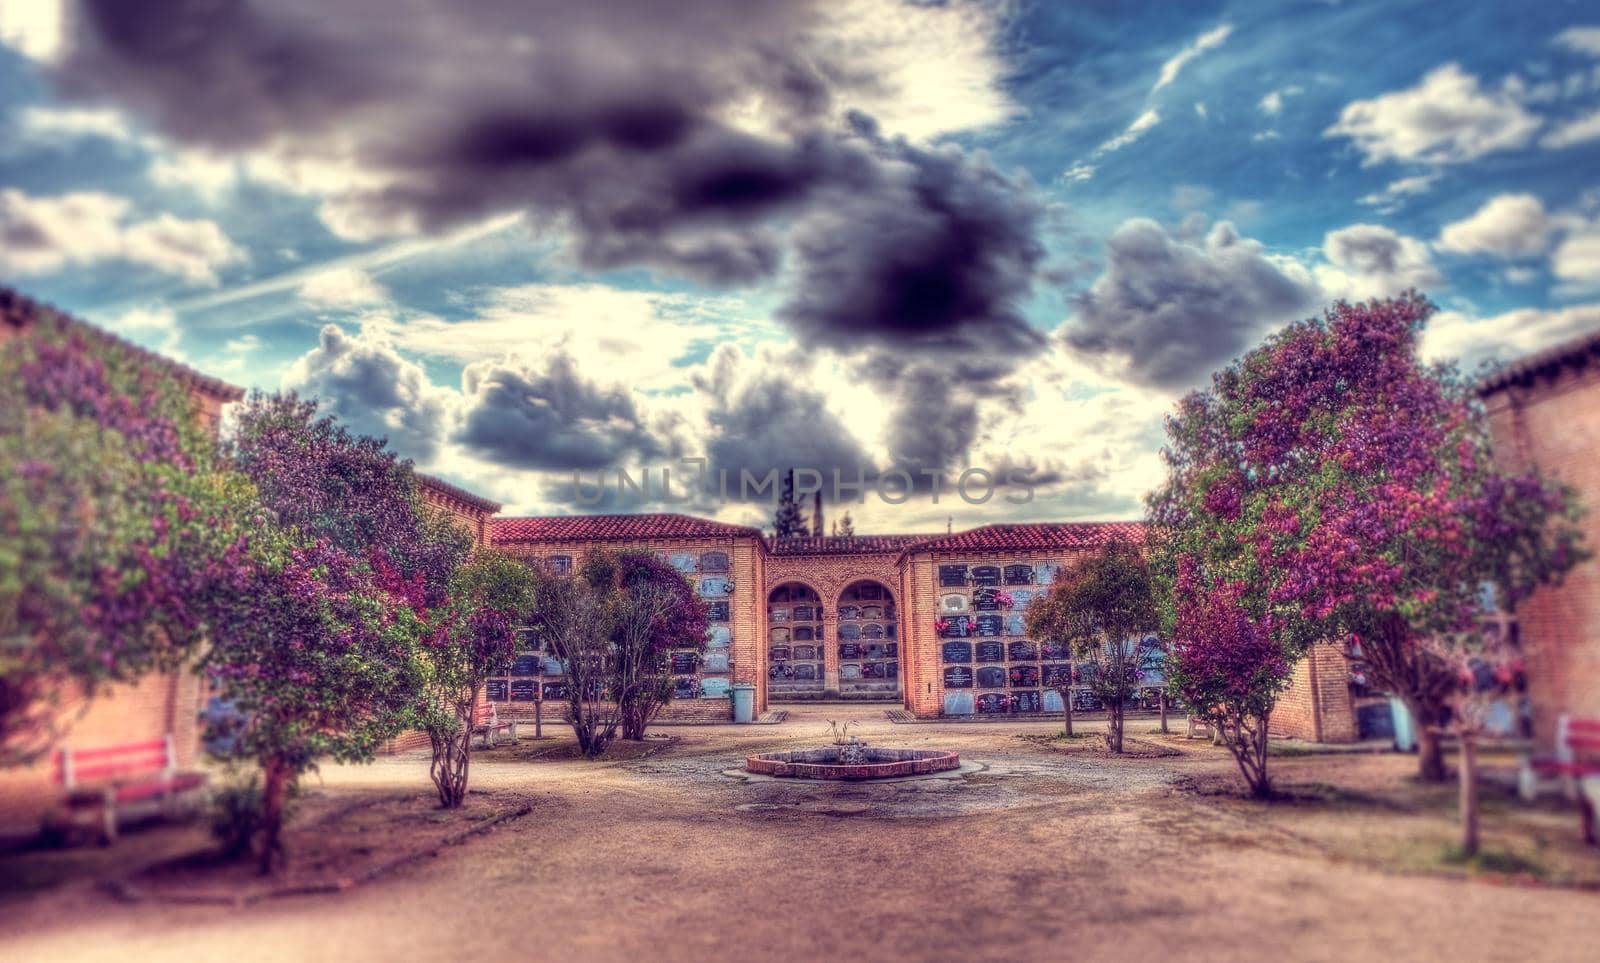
<point>906,240</point>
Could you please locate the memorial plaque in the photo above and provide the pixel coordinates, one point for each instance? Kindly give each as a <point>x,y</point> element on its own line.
<point>992,704</point>
<point>525,664</point>
<point>778,633</point>
<point>873,651</point>
<point>991,677</point>
<point>779,653</point>
<point>1058,674</point>
<point>1055,650</point>
<point>718,637</point>
<point>685,687</point>
<point>953,604</point>
<point>524,690</point>
<point>780,670</point>
<point>888,631</point>
<point>714,688</point>
<point>849,630</point>
<point>555,691</point>
<point>891,649</point>
<point>717,612</point>
<point>1019,575</point>
<point>1052,701</point>
<point>683,561</point>
<point>1022,651</point>
<point>804,633</point>
<point>554,666</point>
<point>956,651</point>
<point>893,670</point>
<point>958,677</point>
<point>956,627</point>
<point>872,630</point>
<point>958,703</point>
<point>849,650</point>
<point>873,670</point>
<point>986,600</point>
<point>849,613</point>
<point>952,575</point>
<point>1024,676</point>
<point>802,613</point>
<point>1044,573</point>
<point>1016,625</point>
<point>496,690</point>
<point>806,672</point>
<point>850,672</point>
<point>1022,598</point>
<point>805,652</point>
<point>991,652</point>
<point>1026,701</point>
<point>989,625</point>
<point>716,660</point>
<point>715,586</point>
<point>986,575</point>
<point>870,612</point>
<point>684,662</point>
<point>714,562</point>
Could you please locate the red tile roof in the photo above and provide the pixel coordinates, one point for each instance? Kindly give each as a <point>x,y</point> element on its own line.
<point>1038,536</point>
<point>845,544</point>
<point>443,487</point>
<point>611,528</point>
<point>21,311</point>
<point>1574,353</point>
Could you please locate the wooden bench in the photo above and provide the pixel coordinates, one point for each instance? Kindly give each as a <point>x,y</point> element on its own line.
<point>486,723</point>
<point>1577,762</point>
<point>115,783</point>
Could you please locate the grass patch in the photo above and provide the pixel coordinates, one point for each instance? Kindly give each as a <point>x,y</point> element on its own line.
<point>1503,862</point>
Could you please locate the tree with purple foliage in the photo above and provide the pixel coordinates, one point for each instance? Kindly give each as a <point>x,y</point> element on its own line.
<point>489,596</point>
<point>116,519</point>
<point>1349,489</point>
<point>319,635</point>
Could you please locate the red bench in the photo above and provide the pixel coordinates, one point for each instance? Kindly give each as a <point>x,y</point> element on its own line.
<point>112,783</point>
<point>487,724</point>
<point>1577,762</point>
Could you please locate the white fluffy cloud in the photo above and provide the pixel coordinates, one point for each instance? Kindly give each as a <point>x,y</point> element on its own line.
<point>42,235</point>
<point>1509,225</point>
<point>1581,39</point>
<point>1577,259</point>
<point>1580,130</point>
<point>1452,334</point>
<point>1206,41</point>
<point>1447,118</point>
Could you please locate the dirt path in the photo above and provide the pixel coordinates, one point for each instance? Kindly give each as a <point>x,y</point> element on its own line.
<point>1042,855</point>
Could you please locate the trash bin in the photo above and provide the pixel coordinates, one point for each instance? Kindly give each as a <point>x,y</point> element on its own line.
<point>743,695</point>
<point>1405,737</point>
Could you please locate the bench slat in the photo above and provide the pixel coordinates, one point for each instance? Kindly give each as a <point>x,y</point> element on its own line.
<point>133,748</point>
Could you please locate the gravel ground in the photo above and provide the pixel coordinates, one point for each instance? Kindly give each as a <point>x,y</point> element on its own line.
<point>1032,853</point>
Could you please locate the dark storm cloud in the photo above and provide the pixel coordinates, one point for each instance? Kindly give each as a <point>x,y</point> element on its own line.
<point>549,417</point>
<point>933,249</point>
<point>374,391</point>
<point>610,120</point>
<point>1174,311</point>
<point>761,414</point>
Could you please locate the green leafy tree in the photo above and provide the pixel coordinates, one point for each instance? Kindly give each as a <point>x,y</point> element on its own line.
<point>318,636</point>
<point>789,521</point>
<point>1103,610</point>
<point>116,522</point>
<point>473,638</point>
<point>1350,492</point>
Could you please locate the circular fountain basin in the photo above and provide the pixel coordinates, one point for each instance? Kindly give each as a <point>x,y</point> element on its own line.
<point>877,764</point>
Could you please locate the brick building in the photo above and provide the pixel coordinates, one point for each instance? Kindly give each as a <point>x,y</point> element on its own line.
<point>157,705</point>
<point>1544,413</point>
<point>931,622</point>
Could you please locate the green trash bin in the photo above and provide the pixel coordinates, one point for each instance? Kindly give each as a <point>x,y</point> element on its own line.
<point>743,695</point>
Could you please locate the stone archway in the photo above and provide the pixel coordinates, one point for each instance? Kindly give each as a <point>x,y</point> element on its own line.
<point>867,644</point>
<point>797,657</point>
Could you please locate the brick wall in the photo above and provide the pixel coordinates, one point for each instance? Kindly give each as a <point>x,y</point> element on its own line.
<point>1552,422</point>
<point>829,576</point>
<point>1317,706</point>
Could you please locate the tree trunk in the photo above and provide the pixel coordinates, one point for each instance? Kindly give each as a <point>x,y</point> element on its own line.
<point>1162,701</point>
<point>1468,772</point>
<point>1066,709</point>
<point>1430,753</point>
<point>1114,726</point>
<point>269,840</point>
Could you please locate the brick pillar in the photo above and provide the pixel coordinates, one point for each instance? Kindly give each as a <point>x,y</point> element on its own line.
<point>830,650</point>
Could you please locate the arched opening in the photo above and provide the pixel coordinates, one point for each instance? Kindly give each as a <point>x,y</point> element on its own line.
<point>795,656</point>
<point>868,643</point>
